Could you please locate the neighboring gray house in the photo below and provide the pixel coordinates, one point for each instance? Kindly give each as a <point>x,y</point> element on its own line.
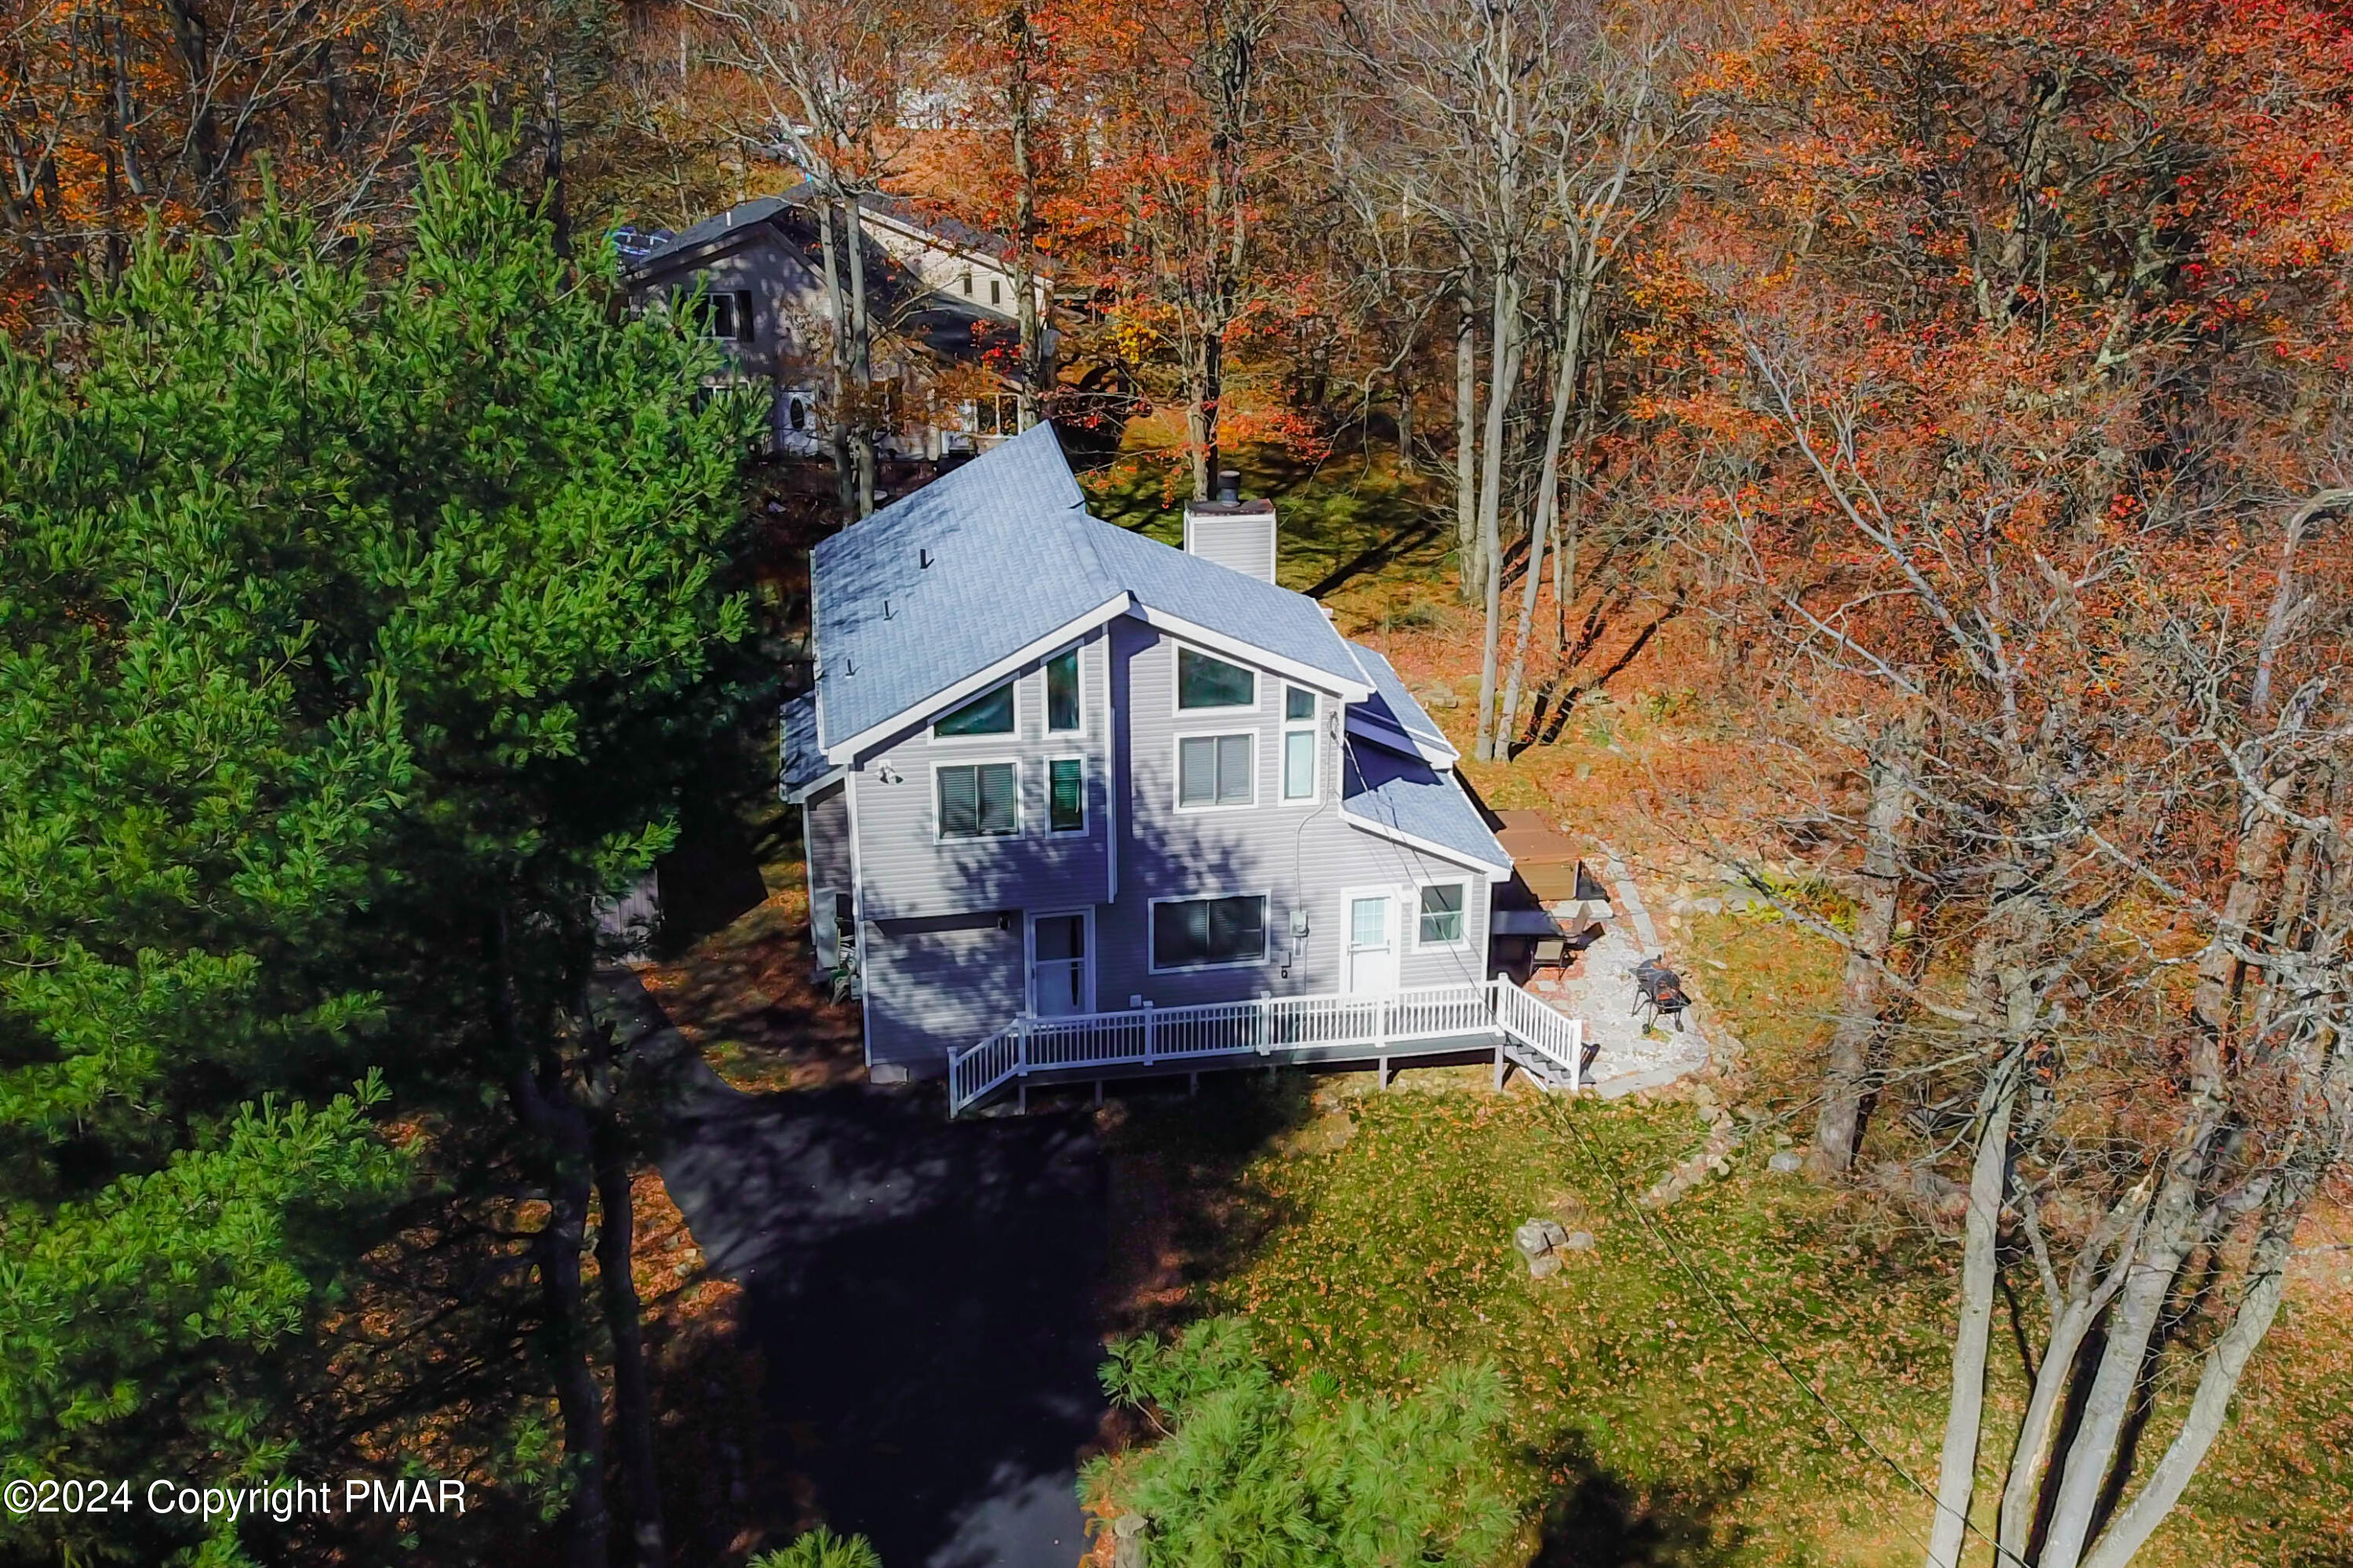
<point>1078,804</point>
<point>943,290</point>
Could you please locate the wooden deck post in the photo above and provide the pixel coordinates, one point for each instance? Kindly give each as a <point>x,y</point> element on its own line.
<point>1381,1066</point>
<point>1192,1083</point>
<point>1098,1094</point>
<point>1147,1033</point>
<point>1500,1068</point>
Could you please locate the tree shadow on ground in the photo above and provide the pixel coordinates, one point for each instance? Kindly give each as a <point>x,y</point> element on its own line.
<point>1597,1519</point>
<point>928,1300</point>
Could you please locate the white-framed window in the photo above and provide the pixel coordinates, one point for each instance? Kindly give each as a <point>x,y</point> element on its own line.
<point>1299,771</point>
<point>1208,933</point>
<point>1063,711</point>
<point>1443,916</point>
<point>1205,682</point>
<point>1215,770</point>
<point>1066,794</point>
<point>998,413</point>
<point>966,280</point>
<point>724,313</point>
<point>977,800</point>
<point>991,712</point>
<point>997,290</point>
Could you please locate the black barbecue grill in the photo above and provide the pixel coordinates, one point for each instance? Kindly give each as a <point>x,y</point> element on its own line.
<point>1661,991</point>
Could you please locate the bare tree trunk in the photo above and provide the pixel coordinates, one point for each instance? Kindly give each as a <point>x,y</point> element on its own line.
<point>555,1257</point>
<point>1540,535</point>
<point>1466,444</point>
<point>552,168</point>
<point>2226,1361</point>
<point>2074,1311</point>
<point>1404,462</point>
<point>2172,1233</point>
<point>861,357</point>
<point>1846,1081</point>
<point>1504,372</point>
<point>1024,219</point>
<point>1204,388</point>
<point>1988,1177</point>
<point>845,475</point>
<point>633,1415</point>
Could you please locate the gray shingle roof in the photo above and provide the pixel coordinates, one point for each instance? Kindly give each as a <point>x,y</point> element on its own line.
<point>1409,796</point>
<point>1393,705</point>
<point>1013,557</point>
<point>803,761</point>
<point>742,215</point>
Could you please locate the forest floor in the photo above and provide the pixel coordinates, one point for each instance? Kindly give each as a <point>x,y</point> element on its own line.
<point>1744,1376</point>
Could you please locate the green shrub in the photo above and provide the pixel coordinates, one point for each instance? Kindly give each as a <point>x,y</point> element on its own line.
<point>1260,1472</point>
<point>820,1548</point>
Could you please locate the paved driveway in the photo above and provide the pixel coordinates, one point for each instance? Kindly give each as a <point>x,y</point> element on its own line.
<point>924,1293</point>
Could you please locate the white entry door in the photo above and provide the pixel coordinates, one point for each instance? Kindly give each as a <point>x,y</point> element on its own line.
<point>1372,966</point>
<point>1061,965</point>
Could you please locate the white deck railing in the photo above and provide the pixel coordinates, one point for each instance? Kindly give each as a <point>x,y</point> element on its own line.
<point>1069,1046</point>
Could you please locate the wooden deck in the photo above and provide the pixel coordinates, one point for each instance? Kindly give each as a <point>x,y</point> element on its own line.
<point>1494,1015</point>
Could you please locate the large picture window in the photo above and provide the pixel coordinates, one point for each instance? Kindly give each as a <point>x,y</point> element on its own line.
<point>1062,692</point>
<point>991,712</point>
<point>979,800</point>
<point>1214,769</point>
<point>1196,933</point>
<point>1441,916</point>
<point>1205,682</point>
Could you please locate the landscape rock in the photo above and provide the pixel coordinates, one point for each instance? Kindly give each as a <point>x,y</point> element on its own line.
<point>1578,1241</point>
<point>1437,697</point>
<point>1538,1237</point>
<point>1788,1161</point>
<point>1543,1267</point>
<point>1127,1541</point>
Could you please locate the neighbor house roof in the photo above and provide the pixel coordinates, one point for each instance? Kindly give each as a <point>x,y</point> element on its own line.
<point>997,561</point>
<point>1406,798</point>
<point>718,226</point>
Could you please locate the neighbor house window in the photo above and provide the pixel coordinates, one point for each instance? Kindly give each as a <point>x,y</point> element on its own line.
<point>1298,743</point>
<point>726,313</point>
<point>979,800</point>
<point>1214,770</point>
<point>1205,682</point>
<point>967,283</point>
<point>995,292</point>
<point>1441,916</point>
<point>1062,690</point>
<point>798,413</point>
<point>1192,933</point>
<point>991,712</point>
<point>1066,795</point>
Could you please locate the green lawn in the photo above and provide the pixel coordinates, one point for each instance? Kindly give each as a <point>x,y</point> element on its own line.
<point>1367,1235</point>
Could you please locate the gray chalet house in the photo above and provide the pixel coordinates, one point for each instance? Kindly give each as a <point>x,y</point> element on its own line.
<point>941,291</point>
<point>1079,805</point>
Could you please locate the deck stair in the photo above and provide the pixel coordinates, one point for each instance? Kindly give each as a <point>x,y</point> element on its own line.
<point>1480,1015</point>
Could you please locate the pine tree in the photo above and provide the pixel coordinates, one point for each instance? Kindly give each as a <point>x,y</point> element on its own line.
<point>366,620</point>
